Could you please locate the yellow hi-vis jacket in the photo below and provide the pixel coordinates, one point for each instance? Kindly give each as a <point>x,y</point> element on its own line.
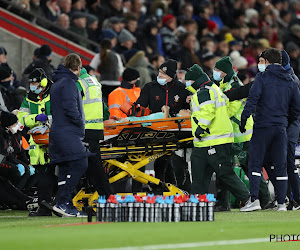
<point>92,102</point>
<point>210,114</point>
<point>236,118</point>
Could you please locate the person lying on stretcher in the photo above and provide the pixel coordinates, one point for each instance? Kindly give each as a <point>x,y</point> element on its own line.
<point>159,115</point>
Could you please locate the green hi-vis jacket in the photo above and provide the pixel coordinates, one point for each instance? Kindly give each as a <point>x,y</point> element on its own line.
<point>236,118</point>
<point>210,114</point>
<point>92,105</point>
<point>30,108</point>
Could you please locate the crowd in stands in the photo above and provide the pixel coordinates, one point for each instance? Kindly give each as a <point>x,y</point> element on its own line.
<point>189,31</point>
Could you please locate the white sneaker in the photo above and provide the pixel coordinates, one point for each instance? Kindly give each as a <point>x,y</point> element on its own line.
<point>281,207</point>
<point>251,206</point>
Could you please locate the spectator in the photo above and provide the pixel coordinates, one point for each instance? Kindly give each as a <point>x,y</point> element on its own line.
<point>155,62</point>
<point>136,10</point>
<point>207,60</point>
<point>43,61</point>
<point>63,21</point>
<point>113,8</point>
<point>169,40</point>
<point>78,26</point>
<point>131,24</point>
<point>116,24</point>
<point>65,6</point>
<point>187,55</point>
<point>109,76</point>
<point>125,41</point>
<point>35,7</point>
<point>78,6</point>
<point>136,60</point>
<point>92,28</point>
<point>187,11</point>
<point>50,9</point>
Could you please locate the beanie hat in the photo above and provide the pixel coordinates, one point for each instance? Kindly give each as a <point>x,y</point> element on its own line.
<point>130,74</point>
<point>291,47</point>
<point>5,72</point>
<point>240,62</point>
<point>36,75</point>
<point>225,65</point>
<point>285,59</point>
<point>45,50</point>
<point>169,67</point>
<point>167,18</point>
<point>125,36</point>
<point>7,119</point>
<point>211,25</point>
<point>115,20</point>
<point>196,73</point>
<point>3,51</point>
<point>128,54</point>
<point>108,33</point>
<point>91,19</point>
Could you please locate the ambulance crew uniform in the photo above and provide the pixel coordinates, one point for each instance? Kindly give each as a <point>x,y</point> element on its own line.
<point>213,137</point>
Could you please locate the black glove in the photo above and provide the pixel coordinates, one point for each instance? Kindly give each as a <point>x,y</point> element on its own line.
<point>199,131</point>
<point>242,126</point>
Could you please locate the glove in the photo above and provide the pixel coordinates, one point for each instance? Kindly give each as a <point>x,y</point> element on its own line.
<point>21,169</point>
<point>41,118</point>
<point>199,131</point>
<point>242,126</point>
<point>32,170</point>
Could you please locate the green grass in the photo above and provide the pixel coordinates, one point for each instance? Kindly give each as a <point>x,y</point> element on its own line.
<point>17,231</point>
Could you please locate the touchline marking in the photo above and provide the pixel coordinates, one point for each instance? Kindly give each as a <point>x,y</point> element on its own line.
<point>190,245</point>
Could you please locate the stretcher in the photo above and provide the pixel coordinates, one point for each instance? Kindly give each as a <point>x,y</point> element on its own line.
<point>129,146</point>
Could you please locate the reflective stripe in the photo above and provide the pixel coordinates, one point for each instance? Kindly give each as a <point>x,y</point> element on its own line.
<point>204,121</point>
<point>24,119</point>
<point>282,178</point>
<point>214,137</point>
<point>126,96</point>
<point>256,174</point>
<point>68,176</point>
<point>61,183</point>
<point>114,106</point>
<point>27,110</point>
<point>218,104</point>
<point>89,101</point>
<point>94,121</point>
<point>296,171</point>
<point>272,167</point>
<point>248,132</point>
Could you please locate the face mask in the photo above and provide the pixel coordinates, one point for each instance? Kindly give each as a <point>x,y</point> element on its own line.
<point>261,67</point>
<point>217,75</point>
<point>188,83</point>
<point>14,129</point>
<point>6,84</point>
<point>162,82</point>
<point>33,88</point>
<point>20,126</point>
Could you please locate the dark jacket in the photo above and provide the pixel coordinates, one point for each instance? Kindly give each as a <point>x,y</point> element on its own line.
<point>67,130</point>
<point>11,99</point>
<point>275,98</point>
<point>173,94</point>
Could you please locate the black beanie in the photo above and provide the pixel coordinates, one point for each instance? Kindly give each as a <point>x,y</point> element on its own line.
<point>36,75</point>
<point>130,74</point>
<point>169,67</point>
<point>7,119</point>
<point>5,72</point>
<point>45,50</point>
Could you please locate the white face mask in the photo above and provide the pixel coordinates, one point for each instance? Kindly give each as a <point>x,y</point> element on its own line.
<point>14,129</point>
<point>262,67</point>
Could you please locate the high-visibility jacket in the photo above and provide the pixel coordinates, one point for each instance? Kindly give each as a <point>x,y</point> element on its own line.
<point>92,104</point>
<point>29,109</point>
<point>239,107</point>
<point>119,96</point>
<point>210,115</point>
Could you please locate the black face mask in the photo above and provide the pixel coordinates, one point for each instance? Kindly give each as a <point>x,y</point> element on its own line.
<point>6,84</point>
<point>137,83</point>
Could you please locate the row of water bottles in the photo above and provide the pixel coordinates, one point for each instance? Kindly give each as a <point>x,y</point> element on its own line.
<point>152,208</point>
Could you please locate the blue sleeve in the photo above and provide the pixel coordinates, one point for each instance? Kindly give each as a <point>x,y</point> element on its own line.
<point>254,96</point>
<point>70,95</point>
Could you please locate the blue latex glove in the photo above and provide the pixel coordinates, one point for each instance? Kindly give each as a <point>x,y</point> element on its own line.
<point>21,169</point>
<point>41,118</point>
<point>32,170</point>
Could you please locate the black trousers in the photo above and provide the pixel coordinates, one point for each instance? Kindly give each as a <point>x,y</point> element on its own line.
<point>46,182</point>
<point>69,176</point>
<point>95,172</point>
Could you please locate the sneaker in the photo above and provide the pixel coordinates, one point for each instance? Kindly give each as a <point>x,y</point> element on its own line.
<point>221,209</point>
<point>281,207</point>
<point>251,206</point>
<point>32,204</point>
<point>272,205</point>
<point>296,205</point>
<point>40,212</point>
<point>67,210</point>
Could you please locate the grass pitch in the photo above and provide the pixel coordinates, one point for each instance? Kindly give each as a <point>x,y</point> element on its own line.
<point>18,231</point>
